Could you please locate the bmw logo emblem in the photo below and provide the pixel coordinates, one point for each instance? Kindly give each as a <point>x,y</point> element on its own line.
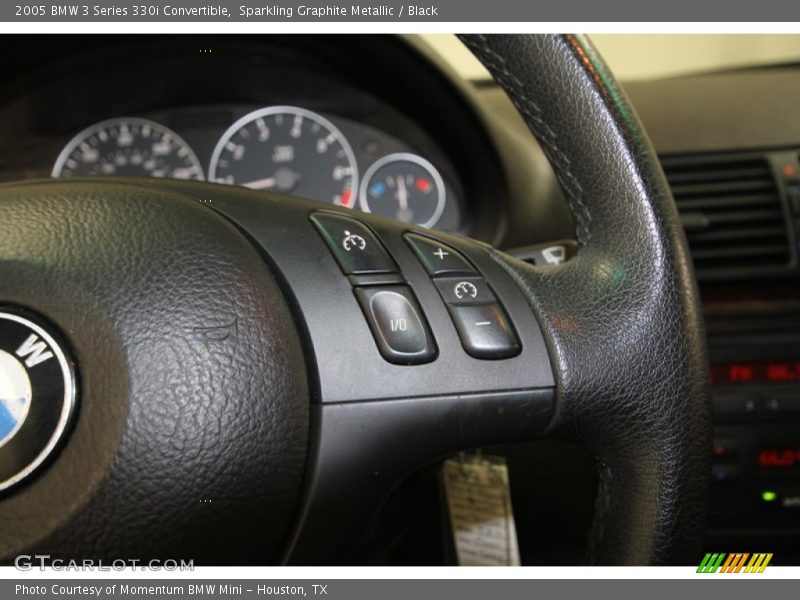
<point>37,395</point>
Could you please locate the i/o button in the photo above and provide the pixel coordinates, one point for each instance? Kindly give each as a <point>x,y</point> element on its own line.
<point>397,323</point>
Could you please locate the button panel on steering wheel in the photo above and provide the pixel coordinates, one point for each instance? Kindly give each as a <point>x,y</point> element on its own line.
<point>482,324</point>
<point>397,322</point>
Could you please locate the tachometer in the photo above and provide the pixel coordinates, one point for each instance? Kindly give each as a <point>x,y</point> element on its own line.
<point>289,150</point>
<point>128,146</point>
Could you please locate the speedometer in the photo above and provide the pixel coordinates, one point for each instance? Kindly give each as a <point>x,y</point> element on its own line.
<point>128,146</point>
<point>289,150</point>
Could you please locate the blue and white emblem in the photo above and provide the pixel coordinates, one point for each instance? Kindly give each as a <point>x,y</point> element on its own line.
<point>15,396</point>
<point>37,395</point>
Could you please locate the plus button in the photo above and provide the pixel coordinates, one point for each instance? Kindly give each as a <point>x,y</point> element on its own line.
<point>441,253</point>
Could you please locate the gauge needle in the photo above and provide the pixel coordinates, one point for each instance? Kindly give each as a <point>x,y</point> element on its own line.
<point>402,193</point>
<point>261,184</point>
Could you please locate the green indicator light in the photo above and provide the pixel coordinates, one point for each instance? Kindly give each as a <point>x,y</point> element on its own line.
<point>769,496</point>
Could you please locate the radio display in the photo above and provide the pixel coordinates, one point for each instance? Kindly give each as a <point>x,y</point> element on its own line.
<point>782,457</point>
<point>766,372</point>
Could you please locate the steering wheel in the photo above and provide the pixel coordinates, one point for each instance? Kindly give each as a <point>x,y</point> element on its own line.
<point>245,376</point>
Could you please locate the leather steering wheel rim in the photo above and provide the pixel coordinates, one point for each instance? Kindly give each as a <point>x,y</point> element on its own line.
<point>622,320</point>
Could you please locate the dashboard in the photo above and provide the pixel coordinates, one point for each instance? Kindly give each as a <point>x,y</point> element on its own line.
<point>286,149</point>
<point>290,115</point>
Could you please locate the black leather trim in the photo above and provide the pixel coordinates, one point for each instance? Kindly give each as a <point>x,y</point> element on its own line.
<point>193,431</point>
<point>622,320</point>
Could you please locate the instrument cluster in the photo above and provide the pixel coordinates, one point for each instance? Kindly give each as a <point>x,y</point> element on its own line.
<point>286,149</point>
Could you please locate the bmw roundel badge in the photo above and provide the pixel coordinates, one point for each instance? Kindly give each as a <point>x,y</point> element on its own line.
<point>37,395</point>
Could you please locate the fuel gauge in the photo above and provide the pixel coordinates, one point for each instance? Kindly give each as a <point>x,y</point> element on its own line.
<point>405,187</point>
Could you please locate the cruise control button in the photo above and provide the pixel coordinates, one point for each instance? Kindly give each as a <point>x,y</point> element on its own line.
<point>354,246</point>
<point>464,291</point>
<point>437,258</point>
<point>397,324</point>
<point>485,331</point>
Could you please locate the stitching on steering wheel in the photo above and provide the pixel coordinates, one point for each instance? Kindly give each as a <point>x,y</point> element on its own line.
<point>547,137</point>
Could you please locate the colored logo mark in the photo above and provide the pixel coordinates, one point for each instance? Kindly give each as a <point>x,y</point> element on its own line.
<point>734,563</point>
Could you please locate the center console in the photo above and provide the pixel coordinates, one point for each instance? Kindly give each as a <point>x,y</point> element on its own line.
<point>755,478</point>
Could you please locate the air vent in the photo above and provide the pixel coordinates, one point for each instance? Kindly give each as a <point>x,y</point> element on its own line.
<point>731,208</point>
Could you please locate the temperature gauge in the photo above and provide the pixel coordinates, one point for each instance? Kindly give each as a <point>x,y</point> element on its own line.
<point>406,187</point>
